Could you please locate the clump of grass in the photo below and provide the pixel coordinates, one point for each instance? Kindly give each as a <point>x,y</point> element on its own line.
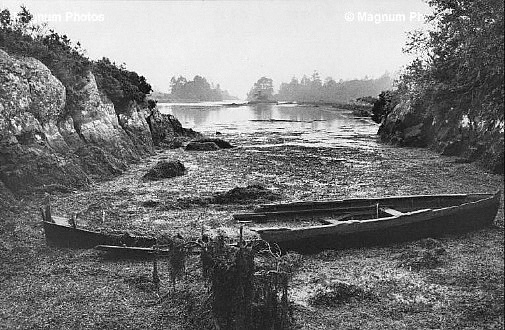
<point>290,263</point>
<point>337,293</point>
<point>191,306</point>
<point>426,254</point>
<point>141,282</point>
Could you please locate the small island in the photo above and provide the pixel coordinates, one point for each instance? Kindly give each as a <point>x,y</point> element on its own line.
<point>197,90</point>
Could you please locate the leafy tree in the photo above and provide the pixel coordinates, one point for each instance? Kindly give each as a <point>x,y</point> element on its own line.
<point>24,16</point>
<point>459,69</point>
<point>5,18</point>
<point>457,79</point>
<point>262,90</point>
<point>198,89</point>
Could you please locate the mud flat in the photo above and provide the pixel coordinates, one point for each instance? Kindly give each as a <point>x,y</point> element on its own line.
<point>59,288</point>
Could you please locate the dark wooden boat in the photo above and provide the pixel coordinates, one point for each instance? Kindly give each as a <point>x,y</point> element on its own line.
<point>376,221</point>
<point>252,102</point>
<point>234,105</point>
<point>60,232</point>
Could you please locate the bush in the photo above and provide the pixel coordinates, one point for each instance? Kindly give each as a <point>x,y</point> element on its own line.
<point>119,84</point>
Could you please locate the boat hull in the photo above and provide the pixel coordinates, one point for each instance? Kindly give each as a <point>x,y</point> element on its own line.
<point>69,237</point>
<point>409,226</point>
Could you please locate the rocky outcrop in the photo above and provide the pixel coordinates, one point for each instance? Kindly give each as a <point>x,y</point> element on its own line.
<point>43,142</point>
<point>166,129</point>
<point>406,127</point>
<point>411,126</point>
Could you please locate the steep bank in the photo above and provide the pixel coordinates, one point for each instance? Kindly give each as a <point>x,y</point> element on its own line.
<point>413,126</point>
<point>43,146</point>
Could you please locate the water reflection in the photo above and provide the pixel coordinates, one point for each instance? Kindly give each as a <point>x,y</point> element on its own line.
<point>300,124</point>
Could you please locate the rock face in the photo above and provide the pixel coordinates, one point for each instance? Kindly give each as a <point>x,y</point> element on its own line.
<point>412,126</point>
<point>166,129</point>
<point>43,143</point>
<point>405,127</point>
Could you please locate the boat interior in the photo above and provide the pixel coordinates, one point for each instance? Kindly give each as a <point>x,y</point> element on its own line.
<point>330,212</point>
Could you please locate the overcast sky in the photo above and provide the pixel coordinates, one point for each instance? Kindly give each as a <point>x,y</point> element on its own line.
<point>236,42</point>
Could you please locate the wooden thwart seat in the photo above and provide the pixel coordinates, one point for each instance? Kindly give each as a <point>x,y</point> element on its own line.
<point>337,220</point>
<point>390,211</point>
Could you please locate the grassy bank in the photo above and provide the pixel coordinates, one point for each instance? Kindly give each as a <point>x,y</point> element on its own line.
<point>47,288</point>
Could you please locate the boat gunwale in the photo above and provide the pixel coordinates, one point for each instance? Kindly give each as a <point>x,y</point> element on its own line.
<point>300,203</point>
<point>436,212</point>
<point>79,229</point>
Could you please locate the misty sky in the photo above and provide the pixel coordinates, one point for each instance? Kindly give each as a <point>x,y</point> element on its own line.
<point>236,42</point>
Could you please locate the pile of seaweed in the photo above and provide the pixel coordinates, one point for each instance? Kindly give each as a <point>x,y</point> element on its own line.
<point>242,286</point>
<point>239,195</point>
<point>243,195</point>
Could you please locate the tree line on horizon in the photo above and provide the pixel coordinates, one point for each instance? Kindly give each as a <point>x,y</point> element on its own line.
<point>313,89</point>
<point>198,89</point>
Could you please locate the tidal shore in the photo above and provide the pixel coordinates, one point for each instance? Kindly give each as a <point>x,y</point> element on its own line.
<point>59,288</point>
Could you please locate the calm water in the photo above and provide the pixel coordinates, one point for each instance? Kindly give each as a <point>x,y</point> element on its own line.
<point>292,124</point>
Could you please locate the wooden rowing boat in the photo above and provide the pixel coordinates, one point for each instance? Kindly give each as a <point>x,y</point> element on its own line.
<point>376,221</point>
<point>64,233</point>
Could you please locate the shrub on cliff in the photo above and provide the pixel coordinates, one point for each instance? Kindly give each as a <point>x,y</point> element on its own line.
<point>120,85</point>
<point>67,61</point>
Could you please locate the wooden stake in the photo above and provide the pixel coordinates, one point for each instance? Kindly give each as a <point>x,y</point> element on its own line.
<point>73,219</point>
<point>49,218</point>
<point>156,277</point>
<point>241,235</point>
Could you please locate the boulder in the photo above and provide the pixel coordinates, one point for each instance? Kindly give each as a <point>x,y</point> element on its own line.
<point>453,148</point>
<point>165,169</point>
<point>222,144</point>
<point>202,146</point>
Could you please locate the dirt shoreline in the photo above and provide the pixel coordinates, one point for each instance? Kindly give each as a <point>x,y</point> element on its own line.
<point>59,288</point>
